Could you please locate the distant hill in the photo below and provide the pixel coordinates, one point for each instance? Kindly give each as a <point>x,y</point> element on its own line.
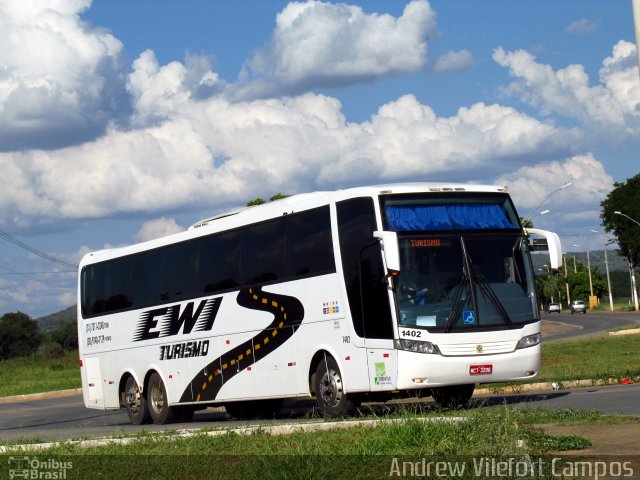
<point>616,262</point>
<point>54,320</point>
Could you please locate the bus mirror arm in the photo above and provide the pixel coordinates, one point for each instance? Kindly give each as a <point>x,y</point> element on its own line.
<point>554,246</point>
<point>390,250</point>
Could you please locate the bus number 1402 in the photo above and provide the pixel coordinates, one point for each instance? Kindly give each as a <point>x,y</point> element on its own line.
<point>410,333</point>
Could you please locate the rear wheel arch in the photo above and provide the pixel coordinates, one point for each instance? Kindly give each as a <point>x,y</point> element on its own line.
<point>318,357</point>
<point>123,383</point>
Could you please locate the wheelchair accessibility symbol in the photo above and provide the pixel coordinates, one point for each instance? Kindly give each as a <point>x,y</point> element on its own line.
<point>469,317</point>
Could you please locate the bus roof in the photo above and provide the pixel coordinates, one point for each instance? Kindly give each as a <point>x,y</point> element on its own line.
<point>245,215</point>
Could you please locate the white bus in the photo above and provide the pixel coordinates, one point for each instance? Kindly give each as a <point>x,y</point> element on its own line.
<point>344,296</point>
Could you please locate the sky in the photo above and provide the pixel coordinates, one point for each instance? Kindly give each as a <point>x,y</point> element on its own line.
<point>124,121</point>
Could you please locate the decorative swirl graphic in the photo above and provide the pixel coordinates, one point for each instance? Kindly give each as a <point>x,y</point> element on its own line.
<point>287,312</point>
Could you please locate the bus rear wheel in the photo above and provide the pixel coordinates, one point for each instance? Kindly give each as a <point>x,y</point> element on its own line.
<point>454,396</point>
<point>331,399</point>
<point>135,402</point>
<point>158,401</point>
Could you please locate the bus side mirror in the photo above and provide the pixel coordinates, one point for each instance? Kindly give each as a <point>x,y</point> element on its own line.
<point>553,245</point>
<point>390,250</point>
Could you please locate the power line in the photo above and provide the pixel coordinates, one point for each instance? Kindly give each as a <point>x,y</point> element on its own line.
<point>37,273</point>
<point>18,243</point>
<point>26,275</point>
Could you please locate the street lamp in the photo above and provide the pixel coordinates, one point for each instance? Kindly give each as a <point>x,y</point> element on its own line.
<point>606,265</point>
<point>566,185</point>
<point>618,212</point>
<point>634,290</point>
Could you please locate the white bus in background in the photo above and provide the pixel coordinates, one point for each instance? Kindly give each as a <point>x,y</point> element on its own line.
<point>344,296</point>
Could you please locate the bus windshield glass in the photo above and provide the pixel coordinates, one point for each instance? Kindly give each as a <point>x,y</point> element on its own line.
<point>464,263</point>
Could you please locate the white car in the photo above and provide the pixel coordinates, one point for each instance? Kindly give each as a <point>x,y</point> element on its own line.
<point>554,307</point>
<point>578,306</point>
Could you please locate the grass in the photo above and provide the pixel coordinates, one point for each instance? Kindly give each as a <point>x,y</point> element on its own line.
<point>33,374</point>
<point>358,452</point>
<point>601,358</point>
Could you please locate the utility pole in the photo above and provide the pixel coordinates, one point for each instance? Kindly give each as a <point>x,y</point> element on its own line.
<point>606,264</point>
<point>589,267</point>
<point>566,282</point>
<point>635,4</point>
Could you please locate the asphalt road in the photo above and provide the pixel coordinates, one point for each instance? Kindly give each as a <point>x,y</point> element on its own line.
<point>67,418</point>
<point>588,324</point>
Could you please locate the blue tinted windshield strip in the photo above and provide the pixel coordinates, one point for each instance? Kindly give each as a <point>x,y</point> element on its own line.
<point>470,216</point>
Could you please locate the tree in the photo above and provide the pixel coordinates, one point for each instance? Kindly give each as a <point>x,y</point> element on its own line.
<point>625,197</point>
<point>255,201</point>
<point>66,336</point>
<point>620,283</point>
<point>526,222</point>
<point>19,335</point>
<point>278,196</point>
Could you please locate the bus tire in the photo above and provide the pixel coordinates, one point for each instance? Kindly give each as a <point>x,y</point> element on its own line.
<point>135,402</point>
<point>158,401</point>
<point>331,399</point>
<point>453,396</point>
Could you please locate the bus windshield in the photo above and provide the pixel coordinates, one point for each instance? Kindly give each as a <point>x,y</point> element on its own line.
<point>464,265</point>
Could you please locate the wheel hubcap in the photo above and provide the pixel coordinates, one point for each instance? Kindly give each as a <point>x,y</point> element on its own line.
<point>133,400</point>
<point>331,388</point>
<point>157,399</point>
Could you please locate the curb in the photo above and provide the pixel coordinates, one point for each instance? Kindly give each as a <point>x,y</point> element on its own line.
<point>630,331</point>
<point>544,386</point>
<point>40,396</point>
<point>248,430</point>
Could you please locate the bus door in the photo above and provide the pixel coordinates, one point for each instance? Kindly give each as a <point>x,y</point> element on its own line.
<point>367,290</point>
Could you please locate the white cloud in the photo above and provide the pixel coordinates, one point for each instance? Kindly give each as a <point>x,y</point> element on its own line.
<point>159,93</point>
<point>581,27</point>
<point>531,184</point>
<point>216,151</point>
<point>61,81</point>
<point>157,228</point>
<point>612,106</point>
<point>454,62</point>
<point>318,44</point>
<point>406,139</point>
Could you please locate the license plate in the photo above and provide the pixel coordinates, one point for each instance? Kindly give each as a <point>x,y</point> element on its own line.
<point>480,369</point>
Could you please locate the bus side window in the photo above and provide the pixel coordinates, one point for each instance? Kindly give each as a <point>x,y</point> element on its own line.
<point>371,313</point>
<point>220,262</point>
<point>309,246</point>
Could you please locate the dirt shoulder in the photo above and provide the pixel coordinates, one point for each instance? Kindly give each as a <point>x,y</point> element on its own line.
<point>615,440</point>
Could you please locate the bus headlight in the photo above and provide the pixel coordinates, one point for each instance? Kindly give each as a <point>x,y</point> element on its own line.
<point>418,347</point>
<point>529,341</point>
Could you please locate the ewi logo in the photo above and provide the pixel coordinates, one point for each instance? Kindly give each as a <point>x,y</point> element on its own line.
<point>169,321</point>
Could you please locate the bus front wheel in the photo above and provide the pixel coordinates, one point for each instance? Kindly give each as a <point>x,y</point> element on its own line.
<point>157,400</point>
<point>453,396</point>
<point>135,402</point>
<point>329,389</point>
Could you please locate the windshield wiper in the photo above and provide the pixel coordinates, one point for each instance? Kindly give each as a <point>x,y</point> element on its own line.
<point>457,302</point>
<point>470,276</point>
<point>493,298</point>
